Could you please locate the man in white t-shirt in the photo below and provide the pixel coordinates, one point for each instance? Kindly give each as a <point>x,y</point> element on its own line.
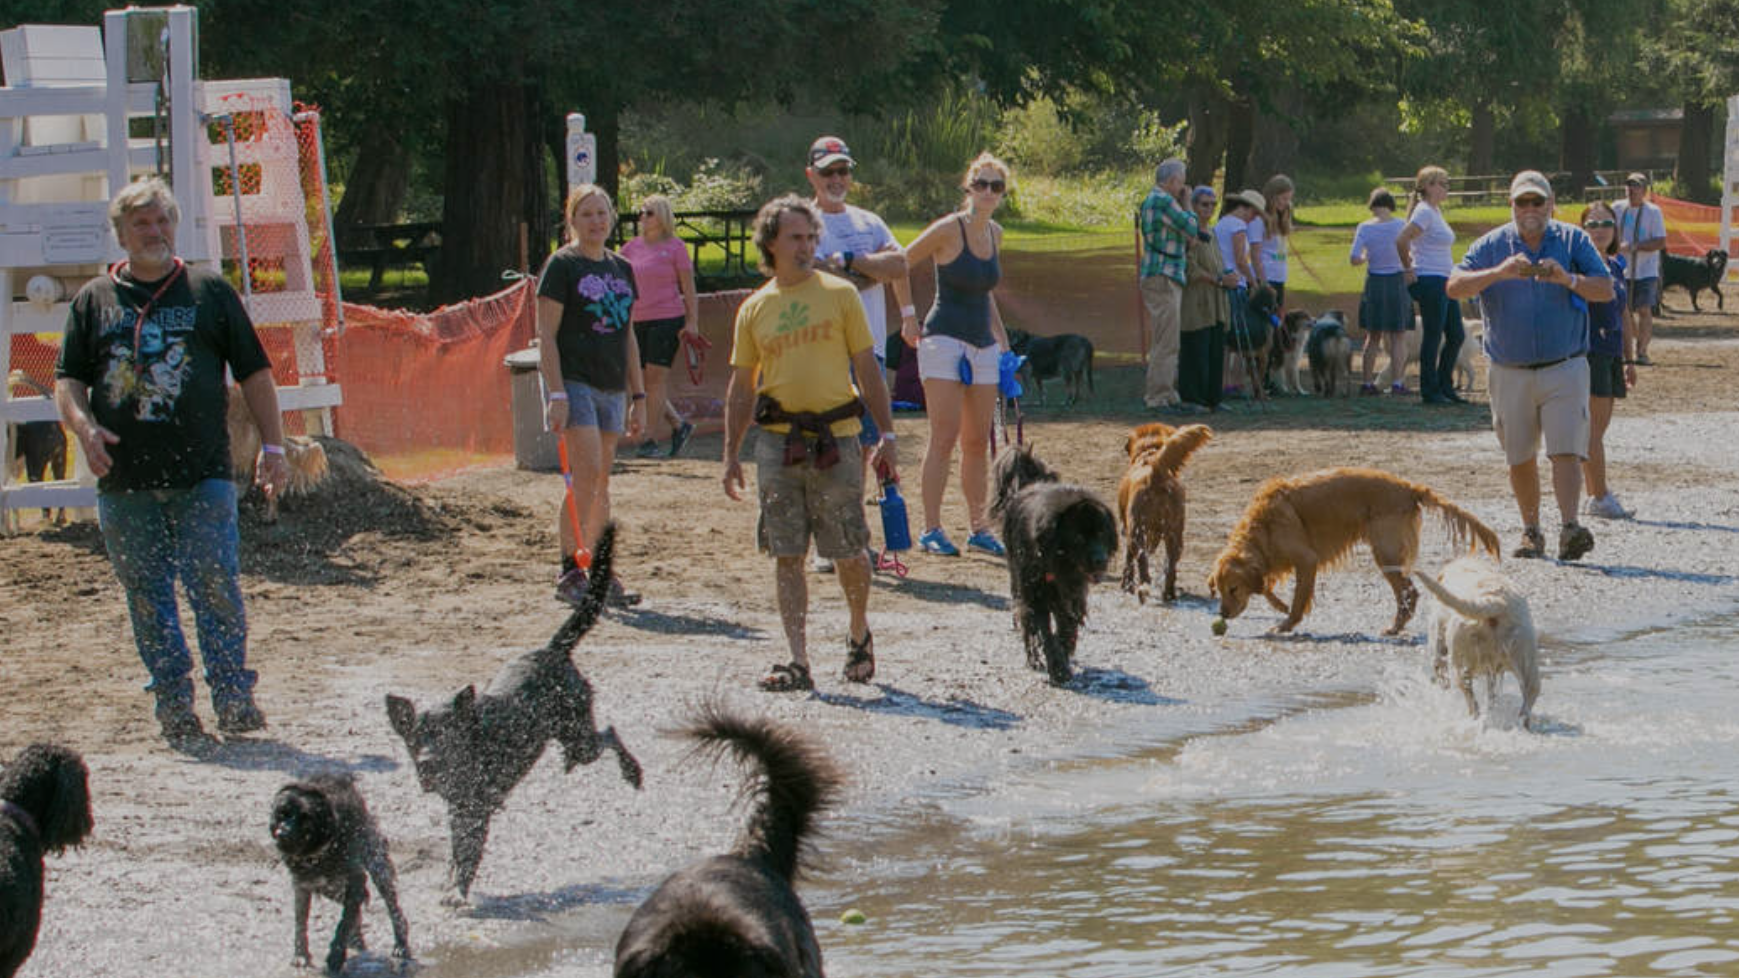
<point>857,246</point>
<point>1642,236</point>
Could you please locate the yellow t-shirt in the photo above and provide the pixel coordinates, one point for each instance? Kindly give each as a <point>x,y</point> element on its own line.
<point>802,339</point>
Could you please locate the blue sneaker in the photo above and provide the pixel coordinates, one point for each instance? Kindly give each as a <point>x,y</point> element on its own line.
<point>985,542</point>
<point>937,542</point>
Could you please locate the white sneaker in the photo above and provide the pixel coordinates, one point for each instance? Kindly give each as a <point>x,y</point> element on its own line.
<point>821,565</point>
<point>1606,507</point>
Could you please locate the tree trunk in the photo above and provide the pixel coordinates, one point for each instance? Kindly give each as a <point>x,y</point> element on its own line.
<point>1239,141</point>
<point>1691,175</point>
<point>1576,154</point>
<point>1275,146</point>
<point>488,191</point>
<point>606,122</point>
<point>1206,142</point>
<point>378,181</point>
<point>1482,141</point>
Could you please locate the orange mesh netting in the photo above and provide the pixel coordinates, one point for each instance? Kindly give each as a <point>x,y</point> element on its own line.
<point>1692,229</point>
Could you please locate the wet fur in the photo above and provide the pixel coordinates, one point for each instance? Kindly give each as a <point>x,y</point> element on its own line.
<point>737,914</point>
<point>1330,350</point>
<point>332,846</point>
<point>1060,538</point>
<point>1305,524</point>
<point>1150,499</point>
<point>49,784</point>
<point>1481,626</point>
<point>1067,355</point>
<point>474,750</point>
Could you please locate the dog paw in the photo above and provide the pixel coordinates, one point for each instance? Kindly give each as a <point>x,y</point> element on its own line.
<point>454,898</point>
<point>301,960</point>
<point>1141,594</point>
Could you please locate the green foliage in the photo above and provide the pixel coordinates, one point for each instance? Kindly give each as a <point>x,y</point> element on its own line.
<point>1087,131</point>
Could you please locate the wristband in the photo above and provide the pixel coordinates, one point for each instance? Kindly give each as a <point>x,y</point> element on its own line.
<point>638,395</point>
<point>1574,278</point>
<point>558,396</point>
<point>888,437</point>
<point>910,311</point>
<point>271,449</point>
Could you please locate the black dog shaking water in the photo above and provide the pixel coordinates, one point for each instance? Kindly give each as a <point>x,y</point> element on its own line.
<point>476,749</point>
<point>45,806</point>
<point>332,846</point>
<point>737,915</point>
<point>1059,538</point>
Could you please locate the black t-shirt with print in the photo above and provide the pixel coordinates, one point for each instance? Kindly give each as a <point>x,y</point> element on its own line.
<point>597,298</point>
<point>159,385</point>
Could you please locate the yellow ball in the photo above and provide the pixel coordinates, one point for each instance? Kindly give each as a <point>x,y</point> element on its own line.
<point>853,916</point>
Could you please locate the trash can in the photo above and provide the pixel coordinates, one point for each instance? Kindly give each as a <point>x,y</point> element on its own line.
<point>533,447</point>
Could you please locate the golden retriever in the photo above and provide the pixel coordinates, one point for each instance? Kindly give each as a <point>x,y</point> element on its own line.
<point>307,459</point>
<point>1150,500</point>
<point>1308,523</point>
<point>1145,436</point>
<point>1482,627</point>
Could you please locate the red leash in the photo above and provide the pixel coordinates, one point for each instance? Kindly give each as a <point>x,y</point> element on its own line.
<point>694,347</point>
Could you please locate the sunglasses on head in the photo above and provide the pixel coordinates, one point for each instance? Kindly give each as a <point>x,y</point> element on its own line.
<point>1598,222</point>
<point>994,186</point>
<point>1531,200</point>
<point>841,170</point>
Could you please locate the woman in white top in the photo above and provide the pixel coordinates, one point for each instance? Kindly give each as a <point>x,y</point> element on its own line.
<point>1424,249</point>
<point>1232,235</point>
<point>1276,222</point>
<point>1385,311</point>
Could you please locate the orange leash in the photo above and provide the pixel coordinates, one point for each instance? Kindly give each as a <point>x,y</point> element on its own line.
<point>582,556</point>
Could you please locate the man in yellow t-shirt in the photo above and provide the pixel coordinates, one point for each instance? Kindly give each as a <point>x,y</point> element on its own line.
<point>795,343</point>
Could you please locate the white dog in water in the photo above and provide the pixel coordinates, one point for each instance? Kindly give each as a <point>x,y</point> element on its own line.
<point>1481,626</point>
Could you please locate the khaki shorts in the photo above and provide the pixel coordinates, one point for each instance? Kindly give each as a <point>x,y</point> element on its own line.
<point>800,502</point>
<point>1551,401</point>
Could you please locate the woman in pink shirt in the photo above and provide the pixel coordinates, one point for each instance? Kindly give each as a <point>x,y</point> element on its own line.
<point>665,308</point>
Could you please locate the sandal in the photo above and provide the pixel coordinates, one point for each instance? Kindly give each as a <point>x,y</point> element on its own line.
<point>789,677</point>
<point>860,659</point>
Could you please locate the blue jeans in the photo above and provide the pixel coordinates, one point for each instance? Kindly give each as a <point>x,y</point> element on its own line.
<point>156,535</point>
<point>1440,323</point>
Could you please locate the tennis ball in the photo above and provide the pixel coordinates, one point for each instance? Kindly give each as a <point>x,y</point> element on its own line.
<point>853,916</point>
<point>1219,626</point>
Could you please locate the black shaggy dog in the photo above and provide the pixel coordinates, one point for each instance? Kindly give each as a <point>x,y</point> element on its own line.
<point>1066,355</point>
<point>332,846</point>
<point>45,806</point>
<point>1696,274</point>
<point>476,749</point>
<point>737,915</point>
<point>1060,538</point>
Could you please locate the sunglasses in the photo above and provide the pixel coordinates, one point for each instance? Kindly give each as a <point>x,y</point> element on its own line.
<point>1531,200</point>
<point>994,186</point>
<point>648,212</point>
<point>835,171</point>
<point>1599,223</point>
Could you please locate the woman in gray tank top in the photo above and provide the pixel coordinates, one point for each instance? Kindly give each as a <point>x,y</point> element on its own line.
<point>961,342</point>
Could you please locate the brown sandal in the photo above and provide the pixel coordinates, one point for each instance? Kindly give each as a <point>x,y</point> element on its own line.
<point>860,659</point>
<point>789,677</point>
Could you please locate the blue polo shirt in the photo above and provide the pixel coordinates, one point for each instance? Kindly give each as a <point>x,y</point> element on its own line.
<point>1526,320</point>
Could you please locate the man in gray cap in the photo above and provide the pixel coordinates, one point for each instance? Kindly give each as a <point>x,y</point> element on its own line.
<point>1642,234</point>
<point>1535,277</point>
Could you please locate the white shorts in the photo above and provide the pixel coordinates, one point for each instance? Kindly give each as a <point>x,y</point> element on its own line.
<point>1550,402</point>
<point>939,359</point>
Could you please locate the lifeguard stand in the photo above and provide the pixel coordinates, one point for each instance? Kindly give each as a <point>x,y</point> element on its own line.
<point>84,112</point>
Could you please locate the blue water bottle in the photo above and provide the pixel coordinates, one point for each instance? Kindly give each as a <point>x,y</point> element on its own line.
<point>896,531</point>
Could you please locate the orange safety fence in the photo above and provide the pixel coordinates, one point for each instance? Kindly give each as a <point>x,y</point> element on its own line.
<point>1692,229</point>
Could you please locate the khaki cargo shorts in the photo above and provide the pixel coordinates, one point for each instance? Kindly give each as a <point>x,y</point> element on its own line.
<point>800,502</point>
<point>1550,402</point>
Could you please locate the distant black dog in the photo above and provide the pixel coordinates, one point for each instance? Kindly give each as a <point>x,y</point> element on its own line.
<point>1067,355</point>
<point>1696,274</point>
<point>1329,350</point>
<point>45,806</point>
<point>476,749</point>
<point>36,447</point>
<point>1059,538</point>
<point>331,845</point>
<point>737,915</point>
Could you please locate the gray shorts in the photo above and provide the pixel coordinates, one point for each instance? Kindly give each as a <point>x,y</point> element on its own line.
<point>1645,292</point>
<point>1550,403</point>
<point>589,407</point>
<point>800,502</point>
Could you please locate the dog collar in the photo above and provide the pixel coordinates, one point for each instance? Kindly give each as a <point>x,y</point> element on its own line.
<point>20,816</point>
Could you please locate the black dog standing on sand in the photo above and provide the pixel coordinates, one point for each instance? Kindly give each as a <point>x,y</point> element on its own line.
<point>476,749</point>
<point>1066,355</point>
<point>1059,538</point>
<point>737,915</point>
<point>332,846</point>
<point>45,806</point>
<point>1694,275</point>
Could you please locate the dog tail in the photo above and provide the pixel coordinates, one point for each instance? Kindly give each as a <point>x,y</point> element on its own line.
<point>1461,606</point>
<point>592,604</point>
<point>1176,451</point>
<point>797,782</point>
<point>308,465</point>
<point>1463,527</point>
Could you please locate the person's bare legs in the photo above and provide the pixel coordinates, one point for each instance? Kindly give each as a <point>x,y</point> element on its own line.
<point>585,467</point>
<point>978,411</point>
<point>1395,345</point>
<point>1642,318</point>
<point>1594,468</point>
<point>658,410</point>
<point>791,592</point>
<point>1525,486</point>
<point>1373,342</point>
<point>943,402</point>
<point>1566,486</point>
<point>854,580</point>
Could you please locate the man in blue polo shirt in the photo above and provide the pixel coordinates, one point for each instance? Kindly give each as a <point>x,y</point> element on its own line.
<point>1535,277</point>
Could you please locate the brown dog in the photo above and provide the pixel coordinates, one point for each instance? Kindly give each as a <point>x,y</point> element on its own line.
<point>1150,500</point>
<point>1145,436</point>
<point>307,459</point>
<point>1304,524</point>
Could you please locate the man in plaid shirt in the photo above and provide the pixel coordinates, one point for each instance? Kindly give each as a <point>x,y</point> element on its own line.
<point>1166,228</point>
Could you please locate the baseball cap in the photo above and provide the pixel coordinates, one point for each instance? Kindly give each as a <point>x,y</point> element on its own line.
<point>1530,182</point>
<point>828,150</point>
<point>1636,180</point>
